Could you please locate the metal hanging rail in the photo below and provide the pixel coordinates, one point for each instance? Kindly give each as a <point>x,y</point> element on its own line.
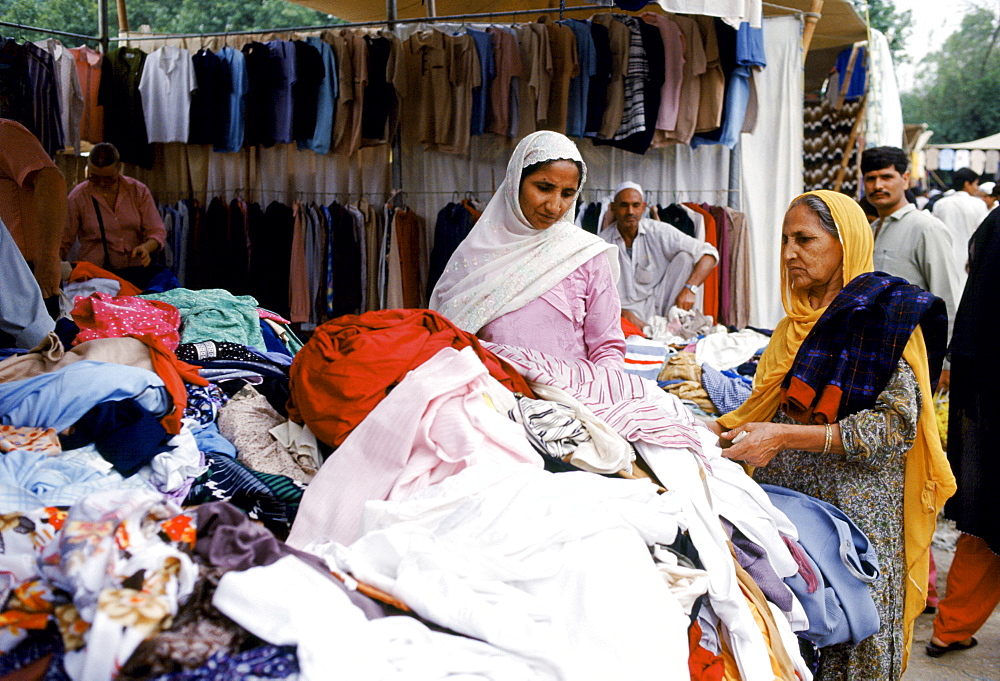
<point>48,30</point>
<point>358,24</point>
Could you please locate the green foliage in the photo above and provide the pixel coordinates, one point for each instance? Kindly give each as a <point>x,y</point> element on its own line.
<point>896,26</point>
<point>957,85</point>
<point>176,16</point>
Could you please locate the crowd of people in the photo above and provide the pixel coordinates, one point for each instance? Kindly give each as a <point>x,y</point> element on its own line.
<point>842,405</point>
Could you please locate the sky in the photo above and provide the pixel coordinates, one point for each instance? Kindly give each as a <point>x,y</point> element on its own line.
<point>933,21</point>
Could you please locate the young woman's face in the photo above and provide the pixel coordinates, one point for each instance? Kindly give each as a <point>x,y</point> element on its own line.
<point>549,192</point>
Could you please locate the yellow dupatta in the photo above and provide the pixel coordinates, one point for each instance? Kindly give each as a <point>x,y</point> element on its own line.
<point>928,480</point>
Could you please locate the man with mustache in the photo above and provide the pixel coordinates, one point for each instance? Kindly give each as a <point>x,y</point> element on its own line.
<point>909,243</point>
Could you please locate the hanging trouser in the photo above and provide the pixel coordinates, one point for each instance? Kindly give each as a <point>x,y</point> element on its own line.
<point>972,592</point>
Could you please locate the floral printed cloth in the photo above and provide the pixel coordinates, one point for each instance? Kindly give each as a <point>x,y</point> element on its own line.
<point>109,572</point>
<point>43,440</point>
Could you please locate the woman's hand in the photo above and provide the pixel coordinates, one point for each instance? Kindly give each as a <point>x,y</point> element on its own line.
<point>762,442</point>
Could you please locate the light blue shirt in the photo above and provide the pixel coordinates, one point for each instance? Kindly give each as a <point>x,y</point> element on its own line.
<point>235,125</point>
<point>326,102</point>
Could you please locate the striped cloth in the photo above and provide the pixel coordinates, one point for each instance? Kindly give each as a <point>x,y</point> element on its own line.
<point>552,428</point>
<point>634,116</point>
<point>634,407</point>
<point>644,357</point>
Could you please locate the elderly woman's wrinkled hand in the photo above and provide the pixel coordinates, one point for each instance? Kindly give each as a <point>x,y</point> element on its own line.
<point>761,443</point>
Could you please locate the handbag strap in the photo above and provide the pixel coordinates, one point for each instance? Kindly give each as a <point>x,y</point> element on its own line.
<point>104,238</point>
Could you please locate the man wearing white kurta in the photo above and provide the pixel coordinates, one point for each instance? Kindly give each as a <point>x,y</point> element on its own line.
<point>660,265</point>
<point>962,212</point>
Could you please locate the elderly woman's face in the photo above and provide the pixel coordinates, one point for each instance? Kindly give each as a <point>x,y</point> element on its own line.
<point>812,256</point>
<point>549,192</point>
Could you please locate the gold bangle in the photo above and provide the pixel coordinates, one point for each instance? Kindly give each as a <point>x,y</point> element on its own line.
<point>829,438</point>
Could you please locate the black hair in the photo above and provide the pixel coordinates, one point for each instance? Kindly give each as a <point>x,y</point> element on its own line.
<point>867,207</point>
<point>104,154</point>
<point>878,158</point>
<point>818,206</point>
<point>528,170</point>
<point>963,175</point>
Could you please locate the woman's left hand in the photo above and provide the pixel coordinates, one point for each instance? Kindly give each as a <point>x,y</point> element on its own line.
<point>762,442</point>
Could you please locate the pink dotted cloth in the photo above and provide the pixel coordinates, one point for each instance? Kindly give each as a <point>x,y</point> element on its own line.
<point>101,315</point>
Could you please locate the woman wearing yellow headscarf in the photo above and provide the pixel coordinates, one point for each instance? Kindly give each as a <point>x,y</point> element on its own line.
<point>842,410</point>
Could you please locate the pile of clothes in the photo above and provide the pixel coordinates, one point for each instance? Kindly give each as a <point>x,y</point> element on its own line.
<point>188,492</point>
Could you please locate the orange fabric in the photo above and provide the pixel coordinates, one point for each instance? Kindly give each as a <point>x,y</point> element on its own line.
<point>972,593</point>
<point>83,270</point>
<point>630,329</point>
<point>473,211</point>
<point>712,282</point>
<point>703,664</point>
<point>799,402</point>
<point>352,362</point>
<point>174,374</point>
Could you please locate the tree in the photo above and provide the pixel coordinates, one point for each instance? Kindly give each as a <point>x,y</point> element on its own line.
<point>956,85</point>
<point>179,16</point>
<point>896,26</point>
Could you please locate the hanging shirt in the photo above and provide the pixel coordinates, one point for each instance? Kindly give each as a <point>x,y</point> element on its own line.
<point>264,78</point>
<point>579,85</point>
<point>565,67</point>
<point>210,99</point>
<point>124,124</point>
<point>15,85</point>
<point>326,100</point>
<point>309,74</point>
<point>46,118</point>
<point>232,126</point>
<point>283,53</point>
<point>165,86</point>
<point>508,70</point>
<point>487,72</point>
<point>597,95</point>
<point>88,70</point>
<point>68,89</point>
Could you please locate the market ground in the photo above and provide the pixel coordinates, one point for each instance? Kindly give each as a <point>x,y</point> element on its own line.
<point>982,663</point>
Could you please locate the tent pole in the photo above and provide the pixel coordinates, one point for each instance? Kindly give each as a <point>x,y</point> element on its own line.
<point>102,25</point>
<point>812,18</point>
<point>390,13</point>
<point>431,8</point>
<point>122,16</point>
<point>562,9</point>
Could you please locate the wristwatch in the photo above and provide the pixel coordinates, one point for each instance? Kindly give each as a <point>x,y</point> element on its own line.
<point>693,288</point>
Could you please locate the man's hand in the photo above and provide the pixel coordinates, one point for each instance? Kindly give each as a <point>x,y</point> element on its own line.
<point>685,299</point>
<point>944,383</point>
<point>633,318</point>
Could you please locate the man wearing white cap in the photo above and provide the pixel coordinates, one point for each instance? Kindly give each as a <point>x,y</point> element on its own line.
<point>660,265</point>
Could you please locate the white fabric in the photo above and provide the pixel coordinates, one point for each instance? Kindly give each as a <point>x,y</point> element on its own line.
<point>627,184</point>
<point>681,473</point>
<point>961,213</point>
<point>733,12</point>
<point>169,471</point>
<point>290,603</point>
<point>791,643</point>
<point>505,263</point>
<point>728,350</point>
<point>433,424</point>
<point>772,162</point>
<point>165,85</point>
<point>884,112</point>
<point>554,568</point>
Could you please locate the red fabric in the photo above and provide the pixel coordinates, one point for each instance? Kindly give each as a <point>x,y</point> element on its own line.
<point>102,316</point>
<point>703,664</point>
<point>630,329</point>
<point>174,374</point>
<point>972,591</point>
<point>352,362</point>
<point>712,282</point>
<point>84,270</point>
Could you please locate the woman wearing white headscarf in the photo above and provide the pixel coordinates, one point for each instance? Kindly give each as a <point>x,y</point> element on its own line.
<point>526,275</point>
